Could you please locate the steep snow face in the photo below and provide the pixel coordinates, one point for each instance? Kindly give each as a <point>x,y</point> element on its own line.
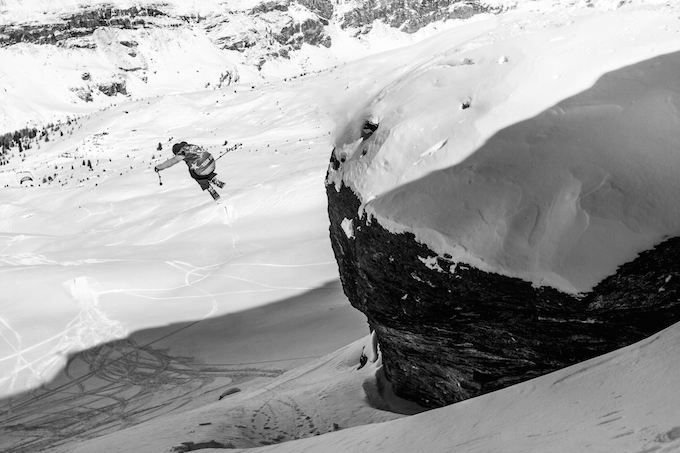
<point>550,156</point>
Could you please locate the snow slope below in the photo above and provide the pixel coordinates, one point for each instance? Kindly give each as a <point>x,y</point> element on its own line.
<point>623,401</point>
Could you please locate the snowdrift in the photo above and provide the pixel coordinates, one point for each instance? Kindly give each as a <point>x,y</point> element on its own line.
<point>549,157</point>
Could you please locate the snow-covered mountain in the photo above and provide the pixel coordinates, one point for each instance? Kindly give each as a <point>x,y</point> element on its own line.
<point>138,315</point>
<point>99,53</point>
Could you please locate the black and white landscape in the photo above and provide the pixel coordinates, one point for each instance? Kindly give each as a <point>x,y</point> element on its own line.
<point>426,203</point>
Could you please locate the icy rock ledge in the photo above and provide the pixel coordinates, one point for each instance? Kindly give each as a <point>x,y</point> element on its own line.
<point>450,332</point>
<point>511,216</point>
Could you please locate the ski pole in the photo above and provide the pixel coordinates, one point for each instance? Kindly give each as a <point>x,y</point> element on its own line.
<point>233,148</point>
<point>159,178</point>
<point>222,155</point>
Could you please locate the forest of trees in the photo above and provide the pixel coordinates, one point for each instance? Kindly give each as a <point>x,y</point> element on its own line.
<point>23,139</point>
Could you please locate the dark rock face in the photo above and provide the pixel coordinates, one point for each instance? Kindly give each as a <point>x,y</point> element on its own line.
<point>268,7</point>
<point>82,24</point>
<point>275,32</point>
<point>308,32</point>
<point>450,334</point>
<point>409,15</point>
<point>323,8</point>
<point>113,88</point>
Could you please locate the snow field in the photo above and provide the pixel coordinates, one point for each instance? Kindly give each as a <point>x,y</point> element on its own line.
<point>148,248</point>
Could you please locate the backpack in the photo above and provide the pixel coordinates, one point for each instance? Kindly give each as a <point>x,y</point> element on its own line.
<point>199,160</point>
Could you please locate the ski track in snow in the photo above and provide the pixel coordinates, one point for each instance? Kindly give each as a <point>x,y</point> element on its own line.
<point>119,387</point>
<point>114,386</point>
<point>90,214</point>
<point>187,281</point>
<point>90,327</point>
<point>120,384</point>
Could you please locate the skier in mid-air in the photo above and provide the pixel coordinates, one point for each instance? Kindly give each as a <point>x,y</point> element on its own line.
<point>201,166</point>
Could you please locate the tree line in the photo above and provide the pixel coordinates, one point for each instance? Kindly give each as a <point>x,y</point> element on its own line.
<point>22,139</point>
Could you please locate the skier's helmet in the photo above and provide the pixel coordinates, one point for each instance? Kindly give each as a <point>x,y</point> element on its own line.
<point>177,147</point>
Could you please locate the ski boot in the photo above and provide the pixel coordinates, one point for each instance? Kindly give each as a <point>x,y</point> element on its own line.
<point>214,194</point>
<point>217,182</point>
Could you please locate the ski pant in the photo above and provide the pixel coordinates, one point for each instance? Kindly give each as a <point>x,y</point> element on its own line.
<point>202,180</point>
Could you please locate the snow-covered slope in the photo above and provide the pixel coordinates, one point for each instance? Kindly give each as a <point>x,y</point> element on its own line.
<point>135,240</point>
<point>548,156</point>
<point>108,254</point>
<point>623,401</point>
<point>98,53</point>
<point>119,256</point>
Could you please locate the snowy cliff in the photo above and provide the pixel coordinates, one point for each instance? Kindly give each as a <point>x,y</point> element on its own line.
<point>486,200</point>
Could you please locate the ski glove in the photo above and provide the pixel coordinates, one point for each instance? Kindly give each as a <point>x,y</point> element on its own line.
<point>156,169</point>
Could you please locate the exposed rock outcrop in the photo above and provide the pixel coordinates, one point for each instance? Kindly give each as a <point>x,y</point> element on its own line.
<point>113,88</point>
<point>323,8</point>
<point>77,25</point>
<point>448,331</point>
<point>308,32</point>
<point>410,15</point>
<point>272,30</point>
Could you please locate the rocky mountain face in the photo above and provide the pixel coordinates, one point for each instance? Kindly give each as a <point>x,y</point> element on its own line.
<point>78,25</point>
<point>408,16</point>
<point>275,29</point>
<point>89,30</point>
<point>286,25</point>
<point>449,332</point>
